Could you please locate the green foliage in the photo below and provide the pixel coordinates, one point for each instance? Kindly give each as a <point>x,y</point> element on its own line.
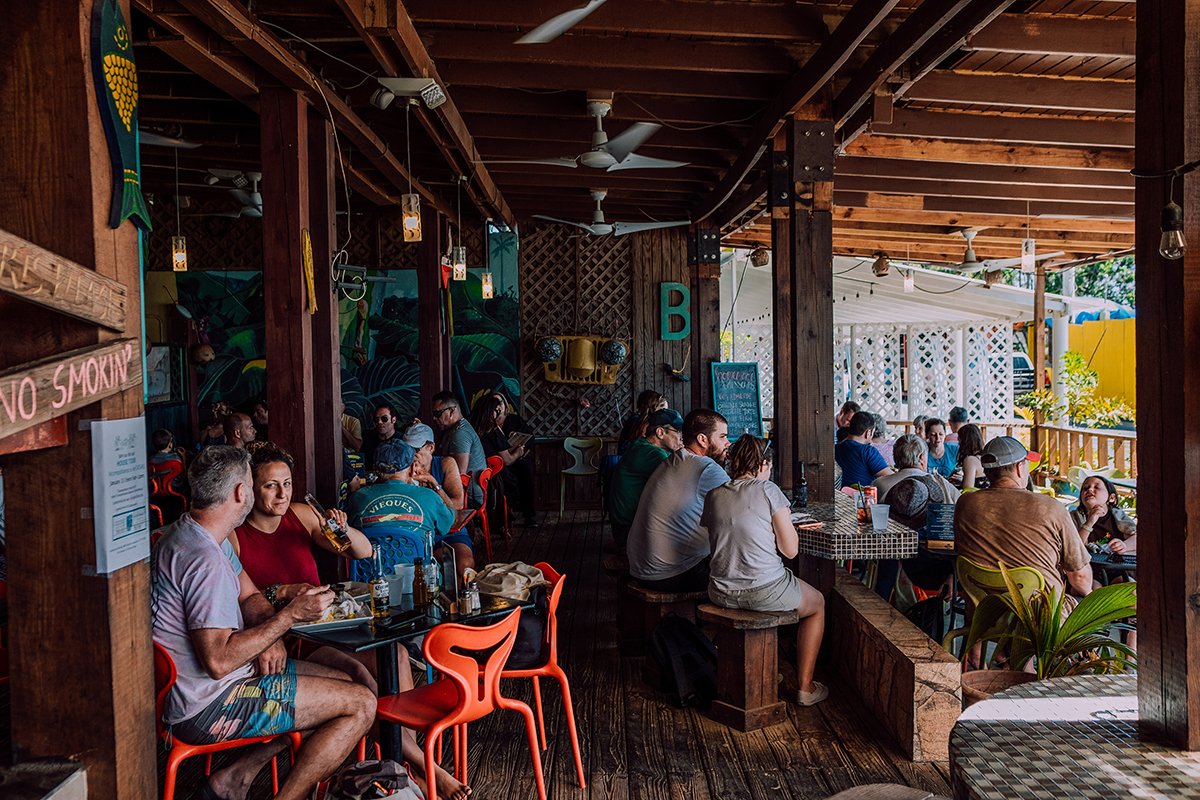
<point>1111,280</point>
<point>1035,630</point>
<point>1083,407</point>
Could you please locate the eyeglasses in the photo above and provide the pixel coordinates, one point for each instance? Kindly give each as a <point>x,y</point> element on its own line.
<point>437,414</point>
<point>384,418</point>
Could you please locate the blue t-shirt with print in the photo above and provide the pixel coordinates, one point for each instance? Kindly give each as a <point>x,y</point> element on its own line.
<point>948,463</point>
<point>860,462</point>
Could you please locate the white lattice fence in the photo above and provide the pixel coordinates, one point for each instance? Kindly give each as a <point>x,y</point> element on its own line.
<point>841,364</point>
<point>934,369</point>
<point>755,342</point>
<point>987,370</point>
<point>875,368</point>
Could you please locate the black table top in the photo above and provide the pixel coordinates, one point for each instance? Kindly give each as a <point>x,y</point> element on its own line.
<point>1114,562</point>
<point>401,625</point>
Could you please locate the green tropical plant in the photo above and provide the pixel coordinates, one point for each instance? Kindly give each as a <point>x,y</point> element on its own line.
<point>1036,630</point>
<point>1082,406</point>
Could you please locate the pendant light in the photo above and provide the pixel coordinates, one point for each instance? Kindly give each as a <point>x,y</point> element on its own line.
<point>410,204</point>
<point>458,253</point>
<point>489,290</point>
<point>1028,247</point>
<point>1172,246</point>
<point>178,242</point>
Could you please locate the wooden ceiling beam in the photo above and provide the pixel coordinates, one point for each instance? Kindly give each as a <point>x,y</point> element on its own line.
<point>937,149</point>
<point>456,144</point>
<point>663,82</point>
<point>778,21</point>
<point>979,173</point>
<point>600,53</point>
<point>1056,36</point>
<point>969,205</point>
<point>236,26</point>
<point>898,244</point>
<point>370,188</point>
<point>198,50</point>
<point>1016,191</point>
<point>1024,91</point>
<point>627,107</point>
<point>864,16</point>
<point>988,221</point>
<point>1037,230</point>
<point>1007,128</point>
<point>975,17</point>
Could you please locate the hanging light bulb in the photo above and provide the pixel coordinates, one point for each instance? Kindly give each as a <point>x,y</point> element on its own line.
<point>489,290</point>
<point>458,262</point>
<point>1028,255</point>
<point>1172,245</point>
<point>909,283</point>
<point>881,265</point>
<point>179,253</point>
<point>410,207</point>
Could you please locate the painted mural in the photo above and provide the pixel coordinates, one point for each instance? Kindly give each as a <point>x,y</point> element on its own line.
<point>227,309</point>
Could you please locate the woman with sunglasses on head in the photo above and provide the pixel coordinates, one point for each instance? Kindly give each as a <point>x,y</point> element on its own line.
<point>749,525</point>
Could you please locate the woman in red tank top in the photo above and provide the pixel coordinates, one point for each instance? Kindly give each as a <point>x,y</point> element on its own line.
<point>275,547</point>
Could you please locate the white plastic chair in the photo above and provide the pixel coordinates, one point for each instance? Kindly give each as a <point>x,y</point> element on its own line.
<point>583,452</point>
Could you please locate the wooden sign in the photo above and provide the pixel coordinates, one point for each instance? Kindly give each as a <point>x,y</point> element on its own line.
<point>35,274</point>
<point>54,386</point>
<point>735,396</point>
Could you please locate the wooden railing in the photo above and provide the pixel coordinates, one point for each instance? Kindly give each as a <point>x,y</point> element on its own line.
<point>1063,448</point>
<point>1017,428</point>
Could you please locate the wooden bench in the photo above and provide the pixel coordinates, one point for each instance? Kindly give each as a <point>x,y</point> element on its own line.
<point>646,609</point>
<point>905,679</point>
<point>747,665</point>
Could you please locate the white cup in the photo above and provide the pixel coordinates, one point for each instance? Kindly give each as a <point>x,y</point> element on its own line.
<point>401,582</point>
<point>879,516</point>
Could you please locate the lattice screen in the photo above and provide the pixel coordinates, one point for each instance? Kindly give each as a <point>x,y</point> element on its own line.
<point>841,364</point>
<point>755,342</point>
<point>875,368</point>
<point>934,369</point>
<point>987,371</point>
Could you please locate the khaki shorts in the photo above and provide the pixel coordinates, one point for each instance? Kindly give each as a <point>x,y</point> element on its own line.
<point>782,594</point>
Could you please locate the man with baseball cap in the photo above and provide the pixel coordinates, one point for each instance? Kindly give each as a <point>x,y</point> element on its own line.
<point>1009,523</point>
<point>439,473</point>
<point>664,435</point>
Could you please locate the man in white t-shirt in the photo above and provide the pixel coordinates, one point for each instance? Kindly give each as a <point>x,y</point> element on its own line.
<point>667,547</point>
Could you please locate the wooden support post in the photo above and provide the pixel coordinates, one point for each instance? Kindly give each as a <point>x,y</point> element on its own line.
<point>704,252</point>
<point>779,198</point>
<point>1168,378</point>
<point>434,340</point>
<point>79,645</point>
<point>289,341</point>
<point>812,157</point>
<point>327,369</point>
<point>1039,346</point>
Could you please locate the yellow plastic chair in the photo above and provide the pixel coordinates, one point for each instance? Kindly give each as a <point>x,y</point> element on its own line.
<point>584,452</point>
<point>978,582</point>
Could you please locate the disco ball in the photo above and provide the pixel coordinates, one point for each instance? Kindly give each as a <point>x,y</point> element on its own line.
<point>614,352</point>
<point>549,349</point>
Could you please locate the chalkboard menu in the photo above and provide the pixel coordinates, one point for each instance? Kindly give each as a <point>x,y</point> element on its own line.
<point>939,527</point>
<point>735,396</point>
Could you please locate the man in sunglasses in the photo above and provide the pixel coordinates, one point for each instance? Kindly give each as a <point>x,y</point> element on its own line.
<point>460,442</point>
<point>384,421</point>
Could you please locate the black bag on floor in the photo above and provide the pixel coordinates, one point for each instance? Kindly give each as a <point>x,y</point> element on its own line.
<point>529,649</point>
<point>687,662</point>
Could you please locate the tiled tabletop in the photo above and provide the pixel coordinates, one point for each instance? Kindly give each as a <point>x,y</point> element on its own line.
<point>842,537</point>
<point>1066,737</point>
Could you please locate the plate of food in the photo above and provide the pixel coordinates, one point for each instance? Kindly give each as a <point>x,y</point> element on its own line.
<point>346,611</point>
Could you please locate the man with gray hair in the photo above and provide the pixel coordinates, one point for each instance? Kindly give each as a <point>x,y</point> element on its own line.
<point>234,679</point>
<point>912,459</point>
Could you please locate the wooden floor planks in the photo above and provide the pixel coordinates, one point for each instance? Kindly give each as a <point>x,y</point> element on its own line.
<point>637,747</point>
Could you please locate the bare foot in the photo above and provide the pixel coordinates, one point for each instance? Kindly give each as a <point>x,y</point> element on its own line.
<point>450,788</point>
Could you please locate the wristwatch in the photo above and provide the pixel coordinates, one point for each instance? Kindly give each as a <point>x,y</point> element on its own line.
<point>271,593</point>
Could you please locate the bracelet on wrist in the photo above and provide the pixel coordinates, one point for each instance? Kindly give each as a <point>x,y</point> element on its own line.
<point>272,595</point>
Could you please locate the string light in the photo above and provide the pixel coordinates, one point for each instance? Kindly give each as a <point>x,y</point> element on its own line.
<point>410,203</point>
<point>458,253</point>
<point>1172,246</point>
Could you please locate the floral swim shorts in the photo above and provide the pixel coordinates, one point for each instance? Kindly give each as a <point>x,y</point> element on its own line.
<point>264,705</point>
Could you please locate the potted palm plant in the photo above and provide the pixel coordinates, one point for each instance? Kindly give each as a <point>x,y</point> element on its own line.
<point>1034,633</point>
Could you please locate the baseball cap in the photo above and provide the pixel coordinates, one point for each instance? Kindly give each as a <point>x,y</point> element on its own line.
<point>664,418</point>
<point>1004,451</point>
<point>418,435</point>
<point>909,500</point>
<point>393,456</point>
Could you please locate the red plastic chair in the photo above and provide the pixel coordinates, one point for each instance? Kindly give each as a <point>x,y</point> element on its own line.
<point>163,475</point>
<point>464,694</point>
<point>496,465</point>
<point>485,524</point>
<point>164,678</point>
<point>551,668</point>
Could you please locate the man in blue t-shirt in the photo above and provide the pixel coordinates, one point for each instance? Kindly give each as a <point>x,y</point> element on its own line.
<point>943,455</point>
<point>860,462</point>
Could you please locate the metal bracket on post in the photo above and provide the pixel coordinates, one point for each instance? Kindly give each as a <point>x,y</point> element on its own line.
<point>815,150</point>
<point>779,194</point>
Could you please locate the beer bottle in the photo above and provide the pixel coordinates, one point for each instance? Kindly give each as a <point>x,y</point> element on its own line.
<point>337,535</point>
<point>420,586</point>
<point>801,491</point>
<point>379,585</point>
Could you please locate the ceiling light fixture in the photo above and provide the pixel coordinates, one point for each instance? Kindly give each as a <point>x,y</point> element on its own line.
<point>1172,245</point>
<point>488,289</point>
<point>410,203</point>
<point>882,265</point>
<point>1028,247</point>
<point>458,253</point>
<point>178,242</point>
<point>391,88</point>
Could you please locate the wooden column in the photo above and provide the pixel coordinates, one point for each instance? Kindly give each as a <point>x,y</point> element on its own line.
<point>1039,346</point>
<point>1168,378</point>
<point>79,645</point>
<point>434,339</point>
<point>326,341</point>
<point>779,196</point>
<point>704,257</point>
<point>289,341</point>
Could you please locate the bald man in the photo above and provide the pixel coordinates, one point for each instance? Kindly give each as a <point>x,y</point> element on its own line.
<point>239,430</point>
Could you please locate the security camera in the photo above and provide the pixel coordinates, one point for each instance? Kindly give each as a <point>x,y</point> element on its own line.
<point>425,88</point>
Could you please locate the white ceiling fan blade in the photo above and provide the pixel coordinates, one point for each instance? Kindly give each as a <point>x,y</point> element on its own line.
<point>565,161</point>
<point>634,161</point>
<point>158,140</point>
<point>630,139</point>
<point>256,199</point>
<point>583,225</point>
<point>621,228</point>
<point>254,212</point>
<point>556,26</point>
<point>242,196</point>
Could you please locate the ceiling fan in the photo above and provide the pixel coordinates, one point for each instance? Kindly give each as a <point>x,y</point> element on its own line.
<point>971,264</point>
<point>600,227</point>
<point>607,154</point>
<point>250,201</point>
<point>558,25</point>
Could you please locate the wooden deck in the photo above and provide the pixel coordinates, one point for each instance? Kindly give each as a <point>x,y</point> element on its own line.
<point>634,744</point>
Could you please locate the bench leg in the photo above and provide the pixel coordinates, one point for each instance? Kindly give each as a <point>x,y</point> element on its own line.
<point>652,614</point>
<point>747,679</point>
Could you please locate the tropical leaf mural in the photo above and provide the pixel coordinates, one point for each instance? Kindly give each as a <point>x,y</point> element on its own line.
<point>228,308</point>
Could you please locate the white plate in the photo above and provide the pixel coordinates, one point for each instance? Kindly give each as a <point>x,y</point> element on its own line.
<point>334,624</point>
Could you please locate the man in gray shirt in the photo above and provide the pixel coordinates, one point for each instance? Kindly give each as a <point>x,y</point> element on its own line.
<point>460,442</point>
<point>234,677</point>
<point>667,547</point>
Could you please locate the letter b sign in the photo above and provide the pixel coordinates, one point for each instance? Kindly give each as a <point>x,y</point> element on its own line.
<point>668,328</point>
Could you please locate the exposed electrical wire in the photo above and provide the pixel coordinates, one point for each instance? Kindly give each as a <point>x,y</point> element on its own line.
<point>676,127</point>
<point>341,254</point>
<point>741,283</point>
<point>306,42</point>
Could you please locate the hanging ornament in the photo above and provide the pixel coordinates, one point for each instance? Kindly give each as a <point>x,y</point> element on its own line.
<point>488,289</point>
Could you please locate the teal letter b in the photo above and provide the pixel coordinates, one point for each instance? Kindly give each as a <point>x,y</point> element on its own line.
<point>667,309</point>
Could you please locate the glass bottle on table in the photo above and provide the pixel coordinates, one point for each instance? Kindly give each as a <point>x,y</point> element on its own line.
<point>801,492</point>
<point>433,574</point>
<point>378,585</point>
<point>420,593</point>
<point>334,531</point>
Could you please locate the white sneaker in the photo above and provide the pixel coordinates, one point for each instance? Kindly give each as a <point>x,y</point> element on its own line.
<point>819,693</point>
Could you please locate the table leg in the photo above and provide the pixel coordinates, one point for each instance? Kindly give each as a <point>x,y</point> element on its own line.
<point>389,683</point>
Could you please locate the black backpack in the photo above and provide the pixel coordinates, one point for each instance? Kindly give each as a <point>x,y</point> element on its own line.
<point>687,662</point>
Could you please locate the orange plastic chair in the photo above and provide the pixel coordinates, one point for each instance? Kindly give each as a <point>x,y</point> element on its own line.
<point>465,693</point>
<point>485,477</point>
<point>496,465</point>
<point>164,678</point>
<point>163,475</point>
<point>551,668</point>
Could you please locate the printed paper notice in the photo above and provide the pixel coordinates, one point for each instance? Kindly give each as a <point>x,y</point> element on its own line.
<point>119,493</point>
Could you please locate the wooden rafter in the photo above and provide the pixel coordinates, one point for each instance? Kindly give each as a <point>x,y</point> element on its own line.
<point>1025,91</point>
<point>1057,36</point>
<point>192,46</point>
<point>980,173</point>
<point>981,152</point>
<point>968,205</point>
<point>1017,191</point>
<point>1007,128</point>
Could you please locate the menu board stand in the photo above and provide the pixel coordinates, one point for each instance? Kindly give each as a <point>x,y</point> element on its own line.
<point>736,396</point>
